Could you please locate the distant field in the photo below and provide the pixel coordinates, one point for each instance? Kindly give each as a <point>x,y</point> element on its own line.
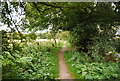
<point>40,40</point>
<point>52,40</point>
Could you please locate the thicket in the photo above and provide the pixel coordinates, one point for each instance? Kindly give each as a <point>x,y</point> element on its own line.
<point>28,59</point>
<point>31,62</point>
<point>85,21</point>
<point>83,67</point>
<point>92,26</point>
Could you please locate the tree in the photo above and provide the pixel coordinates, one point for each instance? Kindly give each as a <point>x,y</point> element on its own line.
<point>85,21</point>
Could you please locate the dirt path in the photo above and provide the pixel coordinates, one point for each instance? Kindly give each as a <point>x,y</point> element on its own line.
<point>63,69</point>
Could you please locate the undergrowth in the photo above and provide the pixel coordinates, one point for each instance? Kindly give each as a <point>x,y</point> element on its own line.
<point>34,61</point>
<point>83,67</point>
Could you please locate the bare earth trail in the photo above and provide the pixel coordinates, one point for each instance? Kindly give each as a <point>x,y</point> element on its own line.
<point>63,69</point>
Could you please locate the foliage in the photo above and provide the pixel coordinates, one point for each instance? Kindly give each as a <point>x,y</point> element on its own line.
<point>98,70</point>
<point>32,36</point>
<point>34,61</point>
<point>81,19</point>
<point>42,35</point>
<point>63,35</point>
<point>91,27</point>
<point>83,68</point>
<point>11,40</point>
<point>101,47</point>
<point>117,45</point>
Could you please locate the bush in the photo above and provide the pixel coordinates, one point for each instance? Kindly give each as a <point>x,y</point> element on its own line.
<point>32,62</point>
<point>100,48</point>
<point>98,70</point>
<point>82,67</point>
<point>117,44</point>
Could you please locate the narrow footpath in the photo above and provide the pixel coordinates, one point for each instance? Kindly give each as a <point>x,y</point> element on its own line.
<point>63,69</point>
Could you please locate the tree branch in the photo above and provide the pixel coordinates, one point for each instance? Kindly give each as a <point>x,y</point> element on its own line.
<point>51,5</point>
<point>39,9</point>
<point>14,23</point>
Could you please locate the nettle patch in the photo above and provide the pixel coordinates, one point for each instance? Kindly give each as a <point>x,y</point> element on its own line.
<point>98,70</point>
<point>84,68</point>
<point>33,62</point>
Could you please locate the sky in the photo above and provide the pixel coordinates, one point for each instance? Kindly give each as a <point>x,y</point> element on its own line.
<point>118,32</point>
<point>17,17</point>
<point>4,27</point>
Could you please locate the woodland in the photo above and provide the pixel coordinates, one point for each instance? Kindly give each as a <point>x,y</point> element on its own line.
<point>87,28</point>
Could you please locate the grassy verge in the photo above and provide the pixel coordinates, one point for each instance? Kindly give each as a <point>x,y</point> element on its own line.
<point>67,56</point>
<point>34,61</point>
<point>54,59</point>
<point>81,67</point>
<point>70,64</point>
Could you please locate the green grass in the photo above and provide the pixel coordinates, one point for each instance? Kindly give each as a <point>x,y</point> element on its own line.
<point>67,56</point>
<point>54,60</point>
<point>70,67</point>
<point>68,44</point>
<point>81,67</point>
<point>35,61</point>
